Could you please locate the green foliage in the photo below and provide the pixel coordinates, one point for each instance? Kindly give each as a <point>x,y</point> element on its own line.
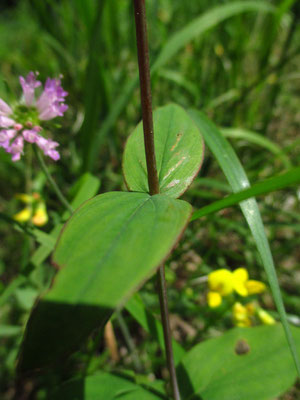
<point>178,149</point>
<point>103,386</point>
<point>244,363</point>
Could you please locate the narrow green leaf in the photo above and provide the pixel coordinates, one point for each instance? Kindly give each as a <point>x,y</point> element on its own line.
<point>103,386</point>
<point>194,29</point>
<point>243,364</point>
<point>238,180</point>
<point>290,178</point>
<point>109,246</point>
<point>179,152</point>
<point>151,325</point>
<point>10,330</point>
<point>255,138</point>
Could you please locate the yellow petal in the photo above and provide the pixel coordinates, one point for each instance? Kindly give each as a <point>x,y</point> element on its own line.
<point>221,281</point>
<point>241,315</point>
<point>251,308</point>
<point>265,317</point>
<point>255,287</point>
<point>214,299</point>
<point>40,217</point>
<point>23,216</point>
<point>240,277</point>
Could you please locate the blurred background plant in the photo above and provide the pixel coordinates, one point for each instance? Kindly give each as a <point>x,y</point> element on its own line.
<point>236,61</point>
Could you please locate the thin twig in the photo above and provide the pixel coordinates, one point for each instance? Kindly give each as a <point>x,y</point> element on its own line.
<point>144,73</point>
<point>52,182</point>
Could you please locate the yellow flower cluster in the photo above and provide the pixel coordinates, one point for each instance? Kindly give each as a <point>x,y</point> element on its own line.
<point>243,315</point>
<point>224,282</point>
<point>34,211</point>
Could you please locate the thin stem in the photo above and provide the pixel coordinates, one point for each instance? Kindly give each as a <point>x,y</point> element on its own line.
<point>164,311</point>
<point>52,182</point>
<point>129,342</point>
<point>146,100</point>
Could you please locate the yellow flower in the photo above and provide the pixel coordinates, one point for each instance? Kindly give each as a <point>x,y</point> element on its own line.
<point>35,210</point>
<point>265,317</point>
<point>24,215</point>
<point>223,282</point>
<point>40,216</point>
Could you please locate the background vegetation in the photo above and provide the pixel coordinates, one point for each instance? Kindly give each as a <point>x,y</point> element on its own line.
<point>242,71</point>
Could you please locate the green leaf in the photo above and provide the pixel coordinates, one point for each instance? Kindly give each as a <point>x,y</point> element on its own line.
<point>290,178</point>
<point>197,27</point>
<point>103,386</point>
<point>179,152</point>
<point>85,188</point>
<point>107,249</point>
<point>10,330</point>
<point>243,364</point>
<point>238,180</point>
<point>151,325</point>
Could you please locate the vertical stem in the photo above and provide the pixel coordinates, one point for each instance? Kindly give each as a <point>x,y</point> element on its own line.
<point>146,100</point>
<point>52,182</point>
<point>164,311</point>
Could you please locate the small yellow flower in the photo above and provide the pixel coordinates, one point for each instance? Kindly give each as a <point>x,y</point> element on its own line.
<point>24,215</point>
<point>40,216</point>
<point>265,317</point>
<point>35,210</point>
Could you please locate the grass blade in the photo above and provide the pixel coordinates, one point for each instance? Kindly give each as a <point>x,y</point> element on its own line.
<point>255,138</point>
<point>266,186</point>
<point>238,180</point>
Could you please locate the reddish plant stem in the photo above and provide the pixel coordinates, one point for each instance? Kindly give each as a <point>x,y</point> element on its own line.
<point>146,100</point>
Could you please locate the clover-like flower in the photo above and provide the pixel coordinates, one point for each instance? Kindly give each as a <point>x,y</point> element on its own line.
<point>224,282</point>
<point>244,315</point>
<point>24,122</point>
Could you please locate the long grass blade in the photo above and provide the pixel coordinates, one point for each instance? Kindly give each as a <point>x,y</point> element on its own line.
<point>290,178</point>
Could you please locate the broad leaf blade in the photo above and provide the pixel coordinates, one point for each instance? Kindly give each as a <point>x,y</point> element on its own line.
<point>238,180</point>
<point>108,247</point>
<point>244,363</point>
<point>103,386</point>
<point>179,152</point>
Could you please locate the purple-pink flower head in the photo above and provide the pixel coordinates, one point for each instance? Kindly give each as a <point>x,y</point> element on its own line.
<point>24,123</point>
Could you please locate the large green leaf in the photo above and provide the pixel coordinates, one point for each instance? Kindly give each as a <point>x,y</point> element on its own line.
<point>109,246</point>
<point>243,364</point>
<point>197,27</point>
<point>179,152</point>
<point>238,180</point>
<point>103,386</point>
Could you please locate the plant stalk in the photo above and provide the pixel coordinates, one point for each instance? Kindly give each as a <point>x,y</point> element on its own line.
<point>146,101</point>
<point>52,182</point>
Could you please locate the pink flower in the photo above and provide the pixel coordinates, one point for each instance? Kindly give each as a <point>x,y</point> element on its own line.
<point>26,124</point>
